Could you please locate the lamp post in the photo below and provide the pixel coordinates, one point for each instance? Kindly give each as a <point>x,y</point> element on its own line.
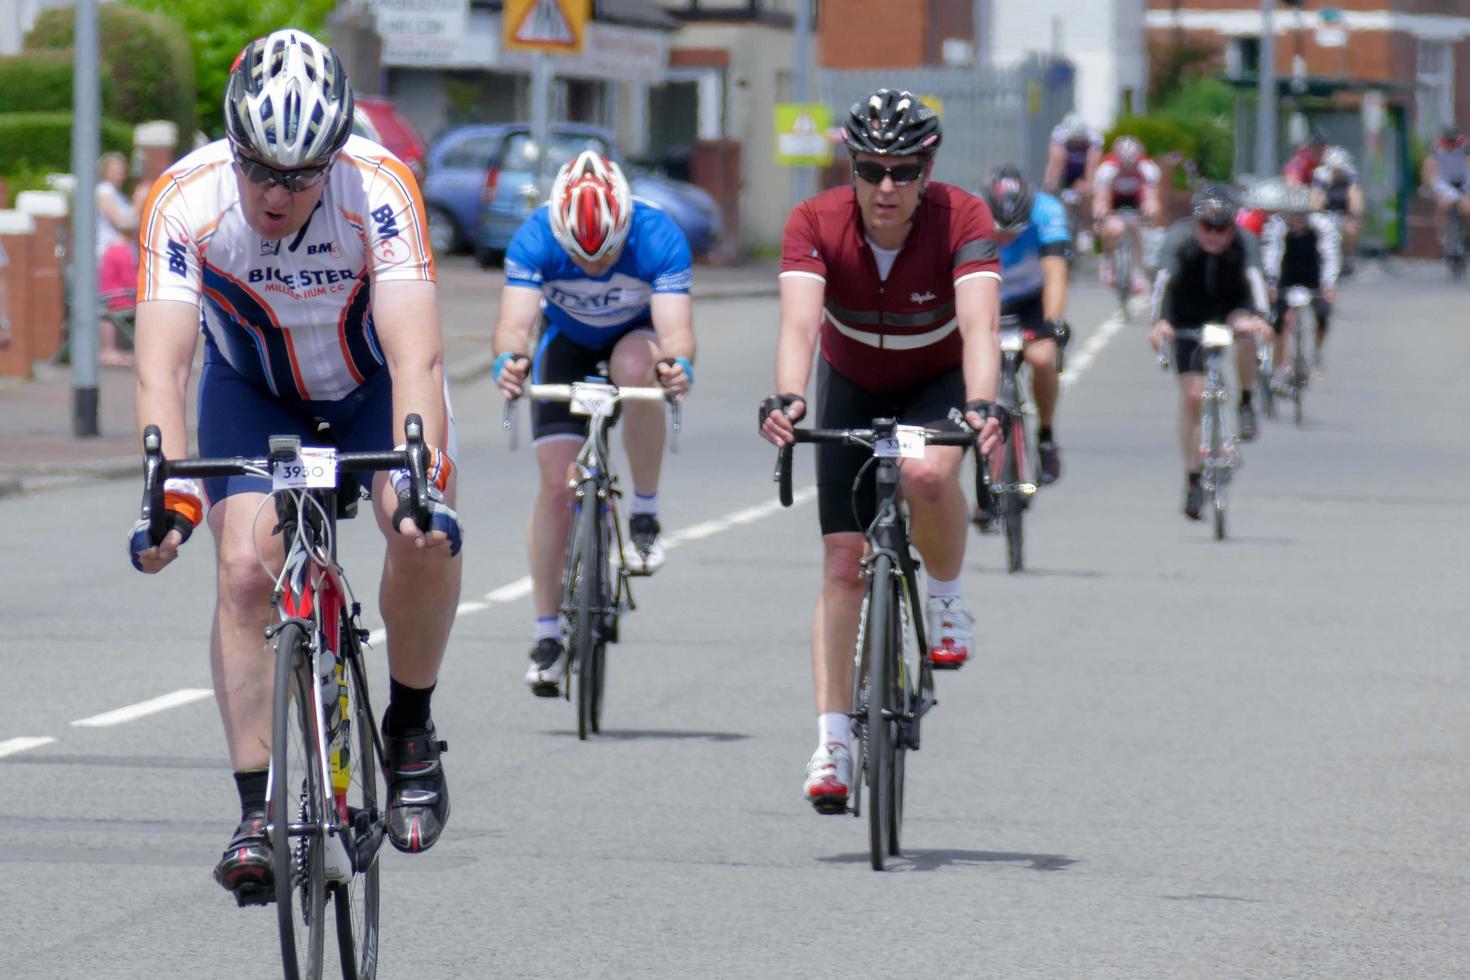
<point>1266,103</point>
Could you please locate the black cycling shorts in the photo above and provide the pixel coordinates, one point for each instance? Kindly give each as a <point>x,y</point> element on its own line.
<point>561,361</point>
<point>1029,310</point>
<point>1320,307</point>
<point>841,404</point>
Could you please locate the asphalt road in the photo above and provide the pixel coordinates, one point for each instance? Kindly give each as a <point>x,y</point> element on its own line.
<point>1174,758</point>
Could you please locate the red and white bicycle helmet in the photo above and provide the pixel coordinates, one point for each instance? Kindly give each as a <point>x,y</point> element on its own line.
<point>591,207</point>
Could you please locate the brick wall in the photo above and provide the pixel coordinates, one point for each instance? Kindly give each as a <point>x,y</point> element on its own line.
<point>872,33</point>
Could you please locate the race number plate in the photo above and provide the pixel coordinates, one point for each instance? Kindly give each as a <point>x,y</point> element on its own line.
<point>1012,340</point>
<point>1214,335</point>
<point>907,442</point>
<point>1298,296</point>
<point>589,399</point>
<point>314,469</point>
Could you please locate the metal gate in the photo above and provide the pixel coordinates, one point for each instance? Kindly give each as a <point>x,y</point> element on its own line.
<point>990,116</point>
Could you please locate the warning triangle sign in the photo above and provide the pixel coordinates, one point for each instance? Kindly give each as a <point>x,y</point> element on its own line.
<point>545,23</point>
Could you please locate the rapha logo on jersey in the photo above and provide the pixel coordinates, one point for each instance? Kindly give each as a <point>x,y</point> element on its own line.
<point>270,247</point>
<point>923,297</point>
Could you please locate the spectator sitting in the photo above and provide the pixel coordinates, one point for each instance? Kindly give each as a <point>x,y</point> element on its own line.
<point>117,257</point>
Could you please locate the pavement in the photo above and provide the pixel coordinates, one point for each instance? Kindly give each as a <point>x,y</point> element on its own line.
<point>38,450</point>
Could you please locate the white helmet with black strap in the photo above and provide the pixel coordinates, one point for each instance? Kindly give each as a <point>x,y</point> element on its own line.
<point>287,101</point>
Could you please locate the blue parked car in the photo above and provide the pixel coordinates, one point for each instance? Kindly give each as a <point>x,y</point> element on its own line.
<point>480,187</point>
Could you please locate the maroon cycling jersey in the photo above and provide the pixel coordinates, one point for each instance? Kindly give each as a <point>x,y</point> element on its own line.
<point>891,335</point>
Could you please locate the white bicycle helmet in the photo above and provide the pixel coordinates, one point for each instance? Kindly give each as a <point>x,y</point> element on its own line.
<point>591,207</point>
<point>1336,158</point>
<point>287,101</point>
<point>1073,127</point>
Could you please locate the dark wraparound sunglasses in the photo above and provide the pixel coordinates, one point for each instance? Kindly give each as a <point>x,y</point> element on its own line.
<point>873,173</point>
<point>1211,226</point>
<point>293,180</point>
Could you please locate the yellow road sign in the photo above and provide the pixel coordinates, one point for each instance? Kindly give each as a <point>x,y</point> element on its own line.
<point>556,26</point>
<point>801,134</point>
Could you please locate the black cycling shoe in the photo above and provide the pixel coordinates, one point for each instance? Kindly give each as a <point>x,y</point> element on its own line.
<point>548,666</point>
<point>1247,422</point>
<point>418,795</point>
<point>1194,501</point>
<point>1051,463</point>
<point>245,870</point>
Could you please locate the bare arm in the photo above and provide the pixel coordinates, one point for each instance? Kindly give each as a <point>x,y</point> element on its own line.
<point>1355,200</point>
<point>673,322</point>
<point>1053,287</point>
<point>166,335</point>
<point>801,325</point>
<point>406,315</point>
<point>1056,155</point>
<point>520,308</point>
<point>977,306</point>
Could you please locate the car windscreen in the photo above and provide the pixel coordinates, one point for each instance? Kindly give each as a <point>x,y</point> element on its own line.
<point>520,151</point>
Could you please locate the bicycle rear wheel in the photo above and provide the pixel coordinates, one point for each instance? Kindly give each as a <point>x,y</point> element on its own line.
<point>879,742</point>
<point>360,818</point>
<point>1300,370</point>
<point>1123,270</point>
<point>296,808</point>
<point>905,695</point>
<point>1218,465</point>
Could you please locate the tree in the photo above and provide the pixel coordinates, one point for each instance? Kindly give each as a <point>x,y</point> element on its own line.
<point>218,31</point>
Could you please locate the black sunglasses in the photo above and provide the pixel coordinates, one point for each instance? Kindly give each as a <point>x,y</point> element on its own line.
<point>293,180</point>
<point>873,173</point>
<point>1212,226</point>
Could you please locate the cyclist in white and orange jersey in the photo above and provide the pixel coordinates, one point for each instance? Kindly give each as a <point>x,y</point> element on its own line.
<point>301,253</point>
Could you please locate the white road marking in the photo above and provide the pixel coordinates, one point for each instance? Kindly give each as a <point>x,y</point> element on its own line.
<point>521,587</point>
<point>132,712</point>
<point>1077,364</point>
<point>14,746</point>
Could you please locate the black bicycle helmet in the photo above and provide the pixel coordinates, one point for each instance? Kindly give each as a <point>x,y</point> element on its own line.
<point>1010,199</point>
<point>891,123</point>
<point>1317,137</point>
<point>1214,204</point>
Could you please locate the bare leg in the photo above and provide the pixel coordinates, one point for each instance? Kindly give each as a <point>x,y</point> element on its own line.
<point>1191,396</point>
<point>631,364</point>
<point>418,596</point>
<point>937,509</point>
<point>835,622</point>
<point>551,521</point>
<point>1045,383</point>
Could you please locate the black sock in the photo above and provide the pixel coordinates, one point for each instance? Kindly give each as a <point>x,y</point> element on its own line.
<point>251,786</point>
<point>408,707</point>
<point>1245,397</point>
<point>1193,480</point>
<point>1044,434</point>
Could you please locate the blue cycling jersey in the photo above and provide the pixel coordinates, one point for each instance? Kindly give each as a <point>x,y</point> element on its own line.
<point>1020,261</point>
<point>595,312</point>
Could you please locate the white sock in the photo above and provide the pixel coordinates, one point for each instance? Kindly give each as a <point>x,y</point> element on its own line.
<point>941,589</point>
<point>833,726</point>
<point>547,628</point>
<point>645,503</point>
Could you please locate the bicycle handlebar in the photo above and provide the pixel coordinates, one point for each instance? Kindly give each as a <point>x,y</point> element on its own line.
<point>563,393</point>
<point>157,469</point>
<point>854,437</point>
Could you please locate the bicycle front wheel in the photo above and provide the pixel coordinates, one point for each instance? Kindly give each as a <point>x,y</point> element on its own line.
<point>296,808</point>
<point>588,568</point>
<point>362,822</point>
<point>1012,503</point>
<point>1300,371</point>
<point>882,711</point>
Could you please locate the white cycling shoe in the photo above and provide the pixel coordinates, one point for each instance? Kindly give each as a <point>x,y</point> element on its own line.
<point>828,776</point>
<point>951,632</point>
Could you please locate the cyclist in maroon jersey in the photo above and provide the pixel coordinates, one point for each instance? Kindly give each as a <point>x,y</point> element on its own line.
<point>898,276</point>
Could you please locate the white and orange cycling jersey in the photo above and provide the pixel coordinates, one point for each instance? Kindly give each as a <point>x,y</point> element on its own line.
<point>290,315</point>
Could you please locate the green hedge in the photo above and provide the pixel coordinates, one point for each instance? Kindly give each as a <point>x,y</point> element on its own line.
<point>1209,144</point>
<point>146,56</point>
<point>40,81</point>
<point>33,142</point>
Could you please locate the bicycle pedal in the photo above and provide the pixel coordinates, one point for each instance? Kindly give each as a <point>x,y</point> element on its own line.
<point>254,893</point>
<point>830,805</point>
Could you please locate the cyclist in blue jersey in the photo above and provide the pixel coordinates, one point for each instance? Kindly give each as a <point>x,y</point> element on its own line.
<point>1035,245</point>
<point>611,276</point>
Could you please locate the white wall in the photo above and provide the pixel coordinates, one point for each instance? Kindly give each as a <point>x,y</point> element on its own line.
<point>1103,38</point>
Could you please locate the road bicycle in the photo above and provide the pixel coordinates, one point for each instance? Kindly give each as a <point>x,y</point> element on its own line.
<point>1125,260</point>
<point>1454,241</point>
<point>893,677</point>
<point>1011,494</point>
<point>1217,452</point>
<point>324,819</point>
<point>595,582</point>
<point>1301,333</point>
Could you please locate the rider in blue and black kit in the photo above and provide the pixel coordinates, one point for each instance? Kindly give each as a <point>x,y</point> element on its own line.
<point>612,277</point>
<point>1035,246</point>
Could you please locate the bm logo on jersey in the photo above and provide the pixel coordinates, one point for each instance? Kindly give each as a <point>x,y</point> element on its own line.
<point>178,259</point>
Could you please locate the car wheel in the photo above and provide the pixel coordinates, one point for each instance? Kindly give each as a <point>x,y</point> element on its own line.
<point>443,237</point>
<point>489,258</point>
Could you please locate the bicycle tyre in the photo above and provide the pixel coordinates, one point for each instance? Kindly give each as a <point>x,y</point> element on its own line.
<point>296,797</point>
<point>1299,370</point>
<point>904,688</point>
<point>585,595</point>
<point>357,903</point>
<point>1218,471</point>
<point>878,735</point>
<point>1264,392</point>
<point>1012,509</point>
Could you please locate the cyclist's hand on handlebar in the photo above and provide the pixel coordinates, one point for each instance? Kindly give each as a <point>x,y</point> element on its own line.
<point>988,421</point>
<point>676,375</point>
<point>778,417</point>
<point>443,522</point>
<point>183,507</point>
<point>1162,333</point>
<point>509,372</point>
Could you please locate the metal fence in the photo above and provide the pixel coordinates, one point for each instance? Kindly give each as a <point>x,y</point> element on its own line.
<point>990,116</point>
